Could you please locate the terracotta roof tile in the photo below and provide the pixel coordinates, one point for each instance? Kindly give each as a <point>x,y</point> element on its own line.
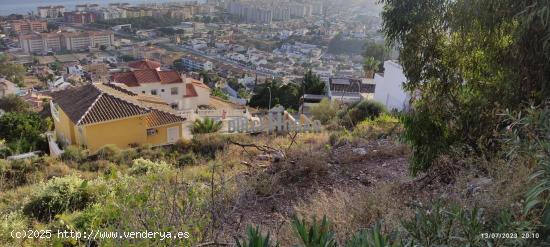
<point>95,103</point>
<point>190,91</point>
<point>137,77</point>
<point>145,64</point>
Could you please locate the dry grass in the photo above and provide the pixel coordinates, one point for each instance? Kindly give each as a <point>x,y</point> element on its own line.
<point>345,209</point>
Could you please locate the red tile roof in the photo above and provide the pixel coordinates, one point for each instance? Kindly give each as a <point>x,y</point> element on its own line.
<point>191,92</point>
<point>199,84</point>
<point>137,77</point>
<point>95,103</point>
<point>145,64</point>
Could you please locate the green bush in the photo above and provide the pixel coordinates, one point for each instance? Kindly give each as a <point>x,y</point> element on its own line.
<point>74,154</point>
<point>208,144</point>
<point>187,159</point>
<point>255,239</point>
<point>325,111</point>
<point>57,196</point>
<point>355,113</point>
<point>383,126</point>
<point>18,172</point>
<point>109,152</point>
<point>142,166</point>
<point>13,221</point>
<point>428,138</point>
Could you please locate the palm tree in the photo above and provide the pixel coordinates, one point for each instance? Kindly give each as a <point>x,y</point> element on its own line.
<point>370,66</point>
<point>205,126</point>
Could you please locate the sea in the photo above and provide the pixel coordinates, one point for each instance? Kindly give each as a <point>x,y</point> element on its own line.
<point>8,7</point>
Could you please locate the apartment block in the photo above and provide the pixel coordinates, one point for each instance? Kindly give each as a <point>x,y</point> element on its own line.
<point>193,63</point>
<point>51,11</point>
<point>80,17</point>
<point>28,26</point>
<point>55,42</point>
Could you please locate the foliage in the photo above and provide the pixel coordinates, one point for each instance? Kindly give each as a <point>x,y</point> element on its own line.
<point>357,112</point>
<point>109,152</point>
<point>370,66</point>
<point>219,93</point>
<point>287,95</point>
<point>382,126</point>
<point>527,133</point>
<point>436,225</point>
<point>205,126</point>
<point>373,237</point>
<point>318,234</point>
<point>145,22</point>
<point>376,51</point>
<point>465,61</point>
<point>142,166</point>
<point>208,144</point>
<point>255,239</point>
<point>74,154</point>
<point>326,110</point>
<point>12,72</point>
<point>312,84</point>
<point>23,131</point>
<point>57,196</point>
<point>341,45</point>
<point>14,103</point>
<point>187,159</point>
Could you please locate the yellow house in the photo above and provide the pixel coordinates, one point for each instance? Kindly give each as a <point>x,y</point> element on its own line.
<point>98,114</point>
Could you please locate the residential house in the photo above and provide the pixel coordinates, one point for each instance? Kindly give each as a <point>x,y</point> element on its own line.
<point>349,90</point>
<point>98,114</point>
<point>389,87</point>
<point>146,77</point>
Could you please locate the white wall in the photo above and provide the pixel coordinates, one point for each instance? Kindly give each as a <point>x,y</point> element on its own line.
<point>166,95</point>
<point>389,90</point>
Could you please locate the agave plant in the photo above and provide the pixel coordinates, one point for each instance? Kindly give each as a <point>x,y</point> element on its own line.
<point>207,125</point>
<point>316,235</point>
<point>255,239</point>
<point>372,238</point>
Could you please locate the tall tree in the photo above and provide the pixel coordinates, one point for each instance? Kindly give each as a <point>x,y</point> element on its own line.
<point>466,61</point>
<point>11,71</point>
<point>312,84</point>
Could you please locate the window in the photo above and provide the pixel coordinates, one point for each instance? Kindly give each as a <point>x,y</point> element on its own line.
<point>143,92</point>
<point>151,132</point>
<point>154,92</point>
<point>174,106</point>
<point>162,90</point>
<point>174,91</point>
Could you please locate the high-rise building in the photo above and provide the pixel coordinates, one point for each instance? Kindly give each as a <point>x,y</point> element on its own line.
<point>66,41</point>
<point>80,17</point>
<point>51,11</point>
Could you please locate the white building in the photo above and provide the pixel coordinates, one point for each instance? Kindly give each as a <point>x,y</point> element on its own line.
<point>389,87</point>
<point>192,63</point>
<point>147,78</point>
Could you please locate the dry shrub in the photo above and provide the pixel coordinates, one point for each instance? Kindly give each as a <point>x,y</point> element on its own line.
<point>506,184</point>
<point>303,164</point>
<point>265,184</point>
<point>343,208</point>
<point>57,169</point>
